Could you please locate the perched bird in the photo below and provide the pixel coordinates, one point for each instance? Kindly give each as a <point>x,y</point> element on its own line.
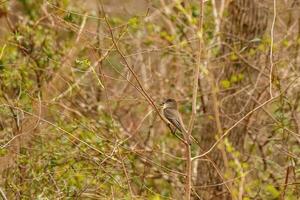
<point>170,112</point>
<point>173,117</point>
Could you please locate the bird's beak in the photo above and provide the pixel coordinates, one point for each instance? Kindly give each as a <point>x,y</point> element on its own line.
<point>161,104</point>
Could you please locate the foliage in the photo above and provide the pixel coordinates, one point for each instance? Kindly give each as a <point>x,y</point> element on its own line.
<point>75,125</point>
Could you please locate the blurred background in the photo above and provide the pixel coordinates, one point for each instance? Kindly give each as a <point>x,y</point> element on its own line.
<point>75,122</point>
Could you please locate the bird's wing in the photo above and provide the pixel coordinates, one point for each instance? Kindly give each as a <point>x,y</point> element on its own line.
<point>173,117</point>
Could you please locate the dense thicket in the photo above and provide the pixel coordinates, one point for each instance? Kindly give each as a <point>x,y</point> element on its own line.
<point>80,82</point>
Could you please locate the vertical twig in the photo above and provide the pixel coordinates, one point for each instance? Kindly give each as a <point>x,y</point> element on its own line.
<point>297,44</point>
<point>222,8</point>
<point>271,48</point>
<point>285,182</point>
<point>194,106</point>
<point>126,175</point>
<point>217,22</point>
<point>217,116</point>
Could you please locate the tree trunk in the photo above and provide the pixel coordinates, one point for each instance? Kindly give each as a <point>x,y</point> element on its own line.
<point>245,22</point>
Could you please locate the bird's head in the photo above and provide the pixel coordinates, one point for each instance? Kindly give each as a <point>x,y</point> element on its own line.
<point>169,103</point>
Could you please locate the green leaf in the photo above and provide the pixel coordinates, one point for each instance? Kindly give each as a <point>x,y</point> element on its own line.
<point>285,43</point>
<point>233,57</point>
<point>234,78</point>
<point>155,197</point>
<point>225,84</point>
<point>167,36</point>
<point>272,191</point>
<point>240,77</point>
<point>3,152</point>
<point>133,22</point>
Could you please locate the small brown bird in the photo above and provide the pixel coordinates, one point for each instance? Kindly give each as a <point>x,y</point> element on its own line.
<point>170,112</point>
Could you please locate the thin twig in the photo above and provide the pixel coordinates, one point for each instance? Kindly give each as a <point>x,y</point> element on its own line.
<point>143,91</point>
<point>3,194</point>
<point>194,107</point>
<point>126,175</point>
<point>58,128</point>
<point>81,28</point>
<point>234,125</point>
<point>285,182</point>
<point>271,48</point>
<point>243,118</point>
